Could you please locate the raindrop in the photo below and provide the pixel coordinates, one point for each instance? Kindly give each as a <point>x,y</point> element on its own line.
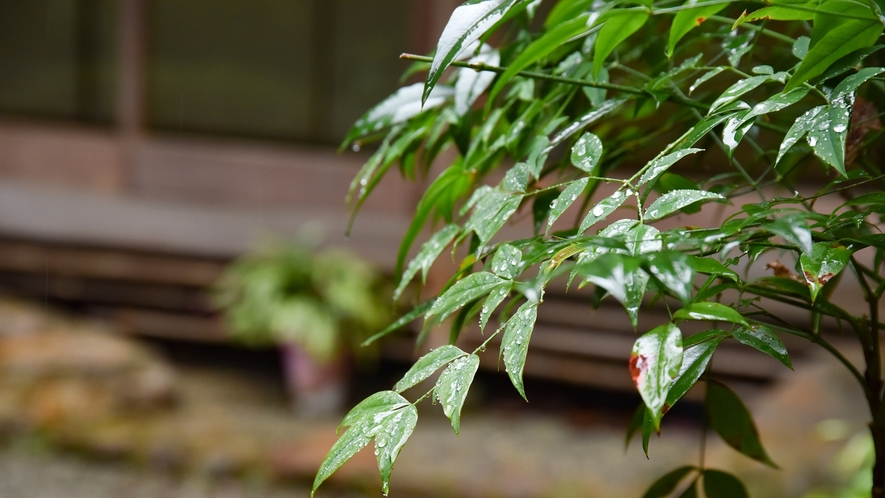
<point>812,141</point>
<point>553,205</point>
<point>364,181</point>
<point>356,147</point>
<point>598,211</point>
<point>839,128</point>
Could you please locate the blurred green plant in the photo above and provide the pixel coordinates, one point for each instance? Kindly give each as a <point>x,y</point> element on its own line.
<point>324,301</point>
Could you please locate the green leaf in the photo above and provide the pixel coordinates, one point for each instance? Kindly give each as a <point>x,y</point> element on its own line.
<point>538,49</point>
<point>566,10</point>
<point>736,90</point>
<point>586,153</point>
<point>794,229</point>
<point>429,252</point>
<point>694,362</point>
<point>388,418</point>
<point>472,287</point>
<point>452,182</point>
<point>604,208</point>
<point>698,131</point>
<point>452,386</point>
<point>402,321</point>
<point>700,337</point>
<point>718,484</point>
<point>675,200</point>
<point>835,36</point>
<point>621,276</point>
<point>738,125</point>
<point>691,491</point>
<point>491,212</point>
<point>673,271</point>
<point>403,105</point>
<point>800,128</point>
<point>667,483</point>
<point>714,312</point>
<point>853,82</point>
<point>659,166</point>
<point>619,24</point>
<point>710,266</point>
<point>517,178</point>
<point>829,131</point>
<point>515,343</point>
<point>763,339</point>
<point>506,263</point>
<point>654,363</point>
<point>732,421</point>
<point>704,78</point>
<point>466,25</point>
<point>800,47</point>
<point>688,19</point>
<point>590,117</point>
<point>495,298</point>
<point>783,11</point>
<point>565,200</point>
<point>427,364</point>
<point>825,261</point>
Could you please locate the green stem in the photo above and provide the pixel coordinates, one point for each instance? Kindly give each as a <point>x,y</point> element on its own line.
<point>759,29</point>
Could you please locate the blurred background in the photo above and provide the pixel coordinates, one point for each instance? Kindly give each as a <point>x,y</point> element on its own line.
<point>147,144</point>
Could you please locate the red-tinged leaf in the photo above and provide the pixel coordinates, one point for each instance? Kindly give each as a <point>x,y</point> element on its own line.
<point>654,363</point>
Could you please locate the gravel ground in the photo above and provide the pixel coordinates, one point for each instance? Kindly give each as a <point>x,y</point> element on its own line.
<point>26,474</point>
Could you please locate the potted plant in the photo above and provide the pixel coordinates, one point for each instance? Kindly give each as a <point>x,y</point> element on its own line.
<point>316,306</point>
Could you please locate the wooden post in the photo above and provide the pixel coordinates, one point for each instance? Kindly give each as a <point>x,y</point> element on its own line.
<point>132,82</point>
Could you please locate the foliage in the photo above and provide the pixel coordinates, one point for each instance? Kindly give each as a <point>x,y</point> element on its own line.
<point>288,294</point>
<point>627,114</point>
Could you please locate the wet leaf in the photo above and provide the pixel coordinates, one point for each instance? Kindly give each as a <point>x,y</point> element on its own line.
<point>794,229</point>
<point>404,104</point>
<point>800,47</point>
<point>675,200</point>
<point>781,11</point>
<point>763,339</point>
<point>621,276</point>
<point>385,416</point>
<point>673,271</point>
<point>452,386</point>
<point>470,288</point>
<point>506,263</point>
<point>568,197</point>
<point>829,131</point>
<point>426,256</point>
<point>659,166</point>
<point>736,90</point>
<point>825,261</point>
<point>707,335</point>
<point>472,83</point>
<point>694,362</point>
<point>713,312</point>
<point>704,78</point>
<point>853,82</point>
<point>718,484</point>
<point>737,126</point>
<point>654,363</point>
<point>688,19</point>
<point>590,117</point>
<point>732,421</point>
<point>710,266</point>
<point>668,482</point>
<point>515,343</point>
<point>491,212</point>
<point>619,24</point>
<point>798,130</point>
<point>834,37</point>
<point>495,298</point>
<point>427,365</point>
<point>601,210</point>
<point>466,25</point>
<point>517,178</point>
<point>586,153</point>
